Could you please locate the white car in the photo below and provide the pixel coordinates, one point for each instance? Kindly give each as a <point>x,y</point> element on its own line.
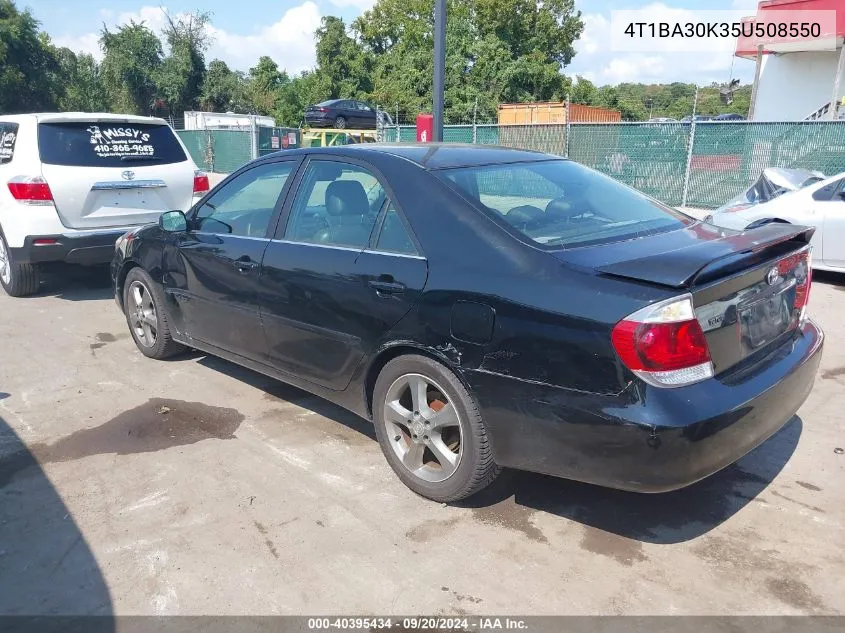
<point>820,204</point>
<point>71,184</point>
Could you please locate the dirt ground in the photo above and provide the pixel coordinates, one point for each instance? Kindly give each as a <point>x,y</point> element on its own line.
<point>131,486</point>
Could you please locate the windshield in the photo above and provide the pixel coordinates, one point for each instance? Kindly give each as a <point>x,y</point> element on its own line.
<point>560,203</point>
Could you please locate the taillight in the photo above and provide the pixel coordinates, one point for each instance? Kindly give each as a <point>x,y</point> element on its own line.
<point>30,190</point>
<point>664,344</point>
<point>801,266</point>
<point>322,109</point>
<point>201,184</point>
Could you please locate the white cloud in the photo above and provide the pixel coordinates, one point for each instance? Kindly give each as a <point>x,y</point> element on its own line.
<point>87,43</point>
<point>596,34</point>
<point>636,68</point>
<point>289,41</point>
<point>363,5</point>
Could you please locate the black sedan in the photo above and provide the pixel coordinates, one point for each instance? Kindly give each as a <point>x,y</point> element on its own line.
<point>487,308</point>
<point>342,114</point>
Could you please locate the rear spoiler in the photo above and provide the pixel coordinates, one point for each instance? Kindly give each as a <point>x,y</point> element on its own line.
<point>702,262</point>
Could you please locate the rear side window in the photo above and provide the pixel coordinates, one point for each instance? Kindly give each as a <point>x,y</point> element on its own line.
<point>560,204</point>
<point>8,135</point>
<point>108,144</point>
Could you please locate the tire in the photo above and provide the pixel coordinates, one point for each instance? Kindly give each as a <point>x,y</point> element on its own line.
<point>474,469</point>
<point>148,317</point>
<point>340,123</point>
<point>18,280</point>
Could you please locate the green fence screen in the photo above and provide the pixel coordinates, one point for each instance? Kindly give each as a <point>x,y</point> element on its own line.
<point>221,151</point>
<point>650,157</point>
<point>703,166</point>
<point>726,157</point>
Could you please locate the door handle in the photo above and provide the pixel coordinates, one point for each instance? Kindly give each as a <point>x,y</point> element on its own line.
<point>245,264</point>
<point>385,288</point>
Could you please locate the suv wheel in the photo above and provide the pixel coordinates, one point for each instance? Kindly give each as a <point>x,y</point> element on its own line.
<point>18,280</point>
<point>430,430</point>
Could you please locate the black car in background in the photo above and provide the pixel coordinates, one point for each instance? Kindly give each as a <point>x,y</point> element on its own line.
<point>342,114</point>
<point>487,307</point>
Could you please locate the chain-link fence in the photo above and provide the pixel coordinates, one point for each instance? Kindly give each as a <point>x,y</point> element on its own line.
<point>707,163</point>
<point>221,151</point>
<point>650,157</point>
<point>700,164</point>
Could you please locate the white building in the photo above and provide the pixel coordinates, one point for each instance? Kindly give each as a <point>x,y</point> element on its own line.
<point>797,78</point>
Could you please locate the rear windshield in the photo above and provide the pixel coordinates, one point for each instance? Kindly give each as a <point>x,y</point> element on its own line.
<point>560,204</point>
<point>107,144</point>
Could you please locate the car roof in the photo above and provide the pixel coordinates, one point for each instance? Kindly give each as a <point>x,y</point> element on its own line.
<point>436,155</point>
<point>57,117</point>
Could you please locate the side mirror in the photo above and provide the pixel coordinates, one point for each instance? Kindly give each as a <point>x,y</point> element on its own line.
<point>841,195</point>
<point>173,222</point>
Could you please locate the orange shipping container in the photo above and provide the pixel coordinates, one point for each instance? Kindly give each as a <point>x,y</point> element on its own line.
<point>552,112</point>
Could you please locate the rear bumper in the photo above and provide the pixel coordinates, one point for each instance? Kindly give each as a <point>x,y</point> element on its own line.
<point>88,247</point>
<point>647,439</point>
<point>319,120</point>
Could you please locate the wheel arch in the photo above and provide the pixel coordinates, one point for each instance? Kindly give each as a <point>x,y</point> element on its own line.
<point>120,279</point>
<point>405,348</point>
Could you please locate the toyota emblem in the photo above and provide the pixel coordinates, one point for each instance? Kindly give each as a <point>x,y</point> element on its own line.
<point>128,175</point>
<point>772,276</point>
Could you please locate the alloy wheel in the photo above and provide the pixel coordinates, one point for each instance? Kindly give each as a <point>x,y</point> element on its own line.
<point>142,314</point>
<point>423,427</point>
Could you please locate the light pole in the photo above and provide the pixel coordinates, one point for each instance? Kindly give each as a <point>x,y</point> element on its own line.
<point>439,67</point>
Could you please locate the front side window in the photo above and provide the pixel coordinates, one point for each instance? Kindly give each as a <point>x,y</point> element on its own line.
<point>245,205</point>
<point>336,204</point>
<point>559,203</point>
<point>108,144</point>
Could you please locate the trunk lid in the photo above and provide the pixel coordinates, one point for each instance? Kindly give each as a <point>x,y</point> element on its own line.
<point>114,173</point>
<point>749,289</point>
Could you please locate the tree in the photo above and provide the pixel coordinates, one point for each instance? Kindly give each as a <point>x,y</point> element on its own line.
<point>131,61</point>
<point>344,68</point>
<point>583,91</point>
<point>179,79</point>
<point>82,89</point>
<point>263,83</point>
<point>496,50</point>
<point>223,90</point>
<point>28,64</point>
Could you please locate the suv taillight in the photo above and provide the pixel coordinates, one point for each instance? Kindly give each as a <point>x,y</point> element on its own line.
<point>664,344</point>
<point>30,190</point>
<point>201,184</point>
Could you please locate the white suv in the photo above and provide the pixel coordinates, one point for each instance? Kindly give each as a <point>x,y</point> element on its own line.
<point>72,183</point>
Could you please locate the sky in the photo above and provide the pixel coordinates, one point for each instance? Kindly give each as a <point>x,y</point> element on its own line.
<point>283,29</point>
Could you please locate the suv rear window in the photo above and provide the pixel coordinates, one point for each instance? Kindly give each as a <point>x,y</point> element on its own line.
<point>559,203</point>
<point>108,144</point>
